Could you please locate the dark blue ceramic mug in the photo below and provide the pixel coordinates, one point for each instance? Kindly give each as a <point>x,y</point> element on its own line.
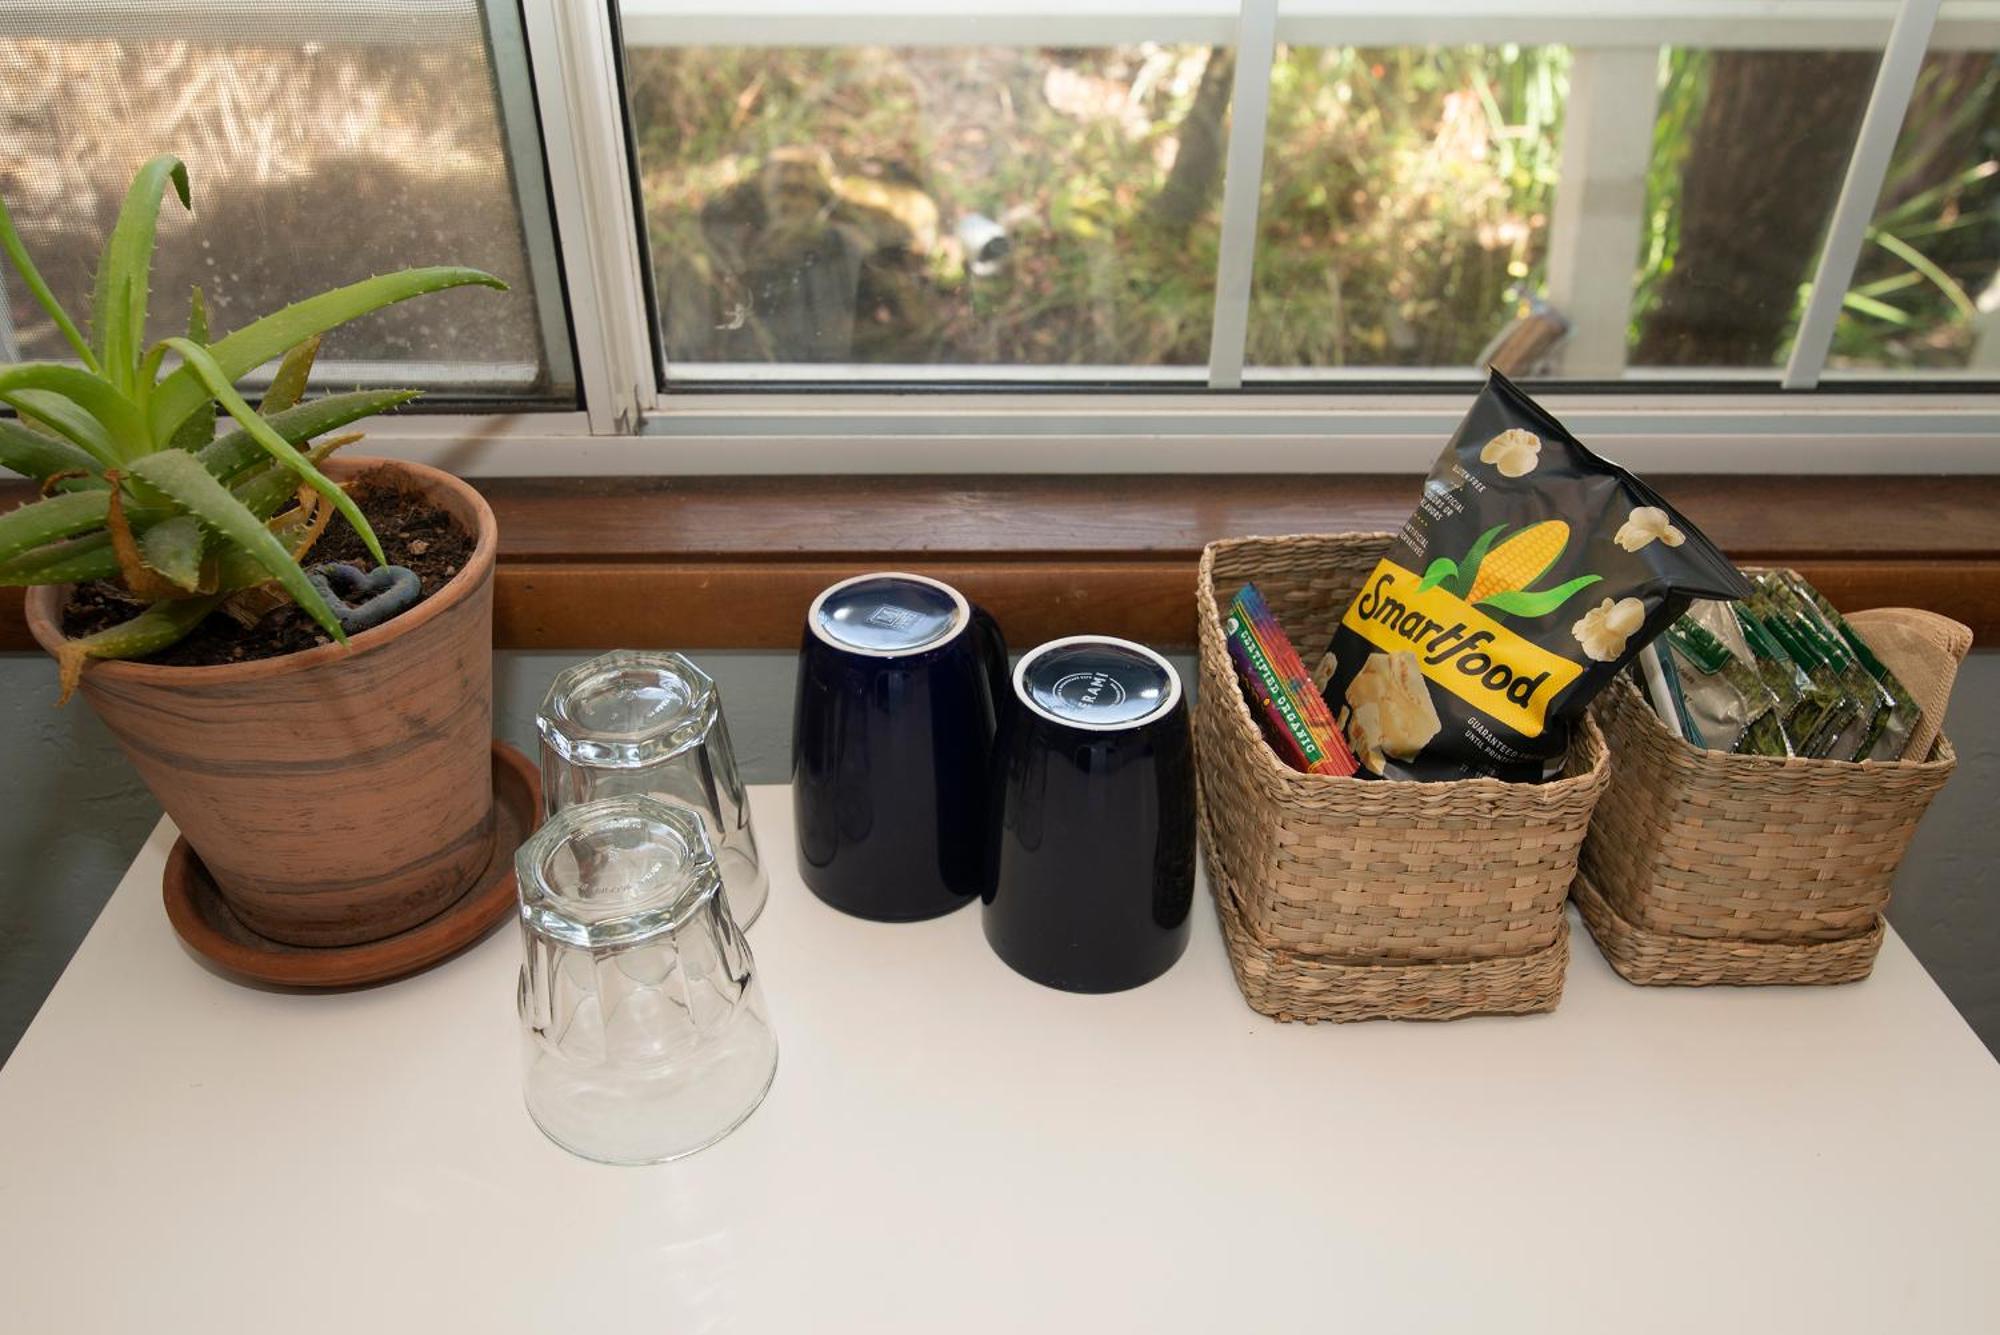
<point>892,746</point>
<point>1091,873</point>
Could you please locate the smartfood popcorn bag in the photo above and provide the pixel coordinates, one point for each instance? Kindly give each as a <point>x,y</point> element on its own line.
<point>1531,572</point>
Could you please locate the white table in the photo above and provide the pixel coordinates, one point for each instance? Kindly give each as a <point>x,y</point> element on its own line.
<point>949,1148</point>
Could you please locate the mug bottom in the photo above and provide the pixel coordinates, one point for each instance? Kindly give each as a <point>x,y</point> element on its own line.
<point>876,913</point>
<point>1090,981</point>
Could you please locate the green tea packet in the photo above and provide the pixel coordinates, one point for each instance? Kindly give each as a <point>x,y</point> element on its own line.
<point>1898,722</point>
<point>1861,714</point>
<point>1702,678</point>
<point>1780,673</point>
<point>1803,706</point>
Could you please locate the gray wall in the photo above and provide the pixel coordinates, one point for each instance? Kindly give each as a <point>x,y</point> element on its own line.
<point>72,816</point>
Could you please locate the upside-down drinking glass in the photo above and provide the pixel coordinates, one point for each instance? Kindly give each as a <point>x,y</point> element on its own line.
<point>644,1032</point>
<point>640,722</point>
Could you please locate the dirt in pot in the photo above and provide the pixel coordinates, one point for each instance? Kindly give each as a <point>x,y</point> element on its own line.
<point>413,533</point>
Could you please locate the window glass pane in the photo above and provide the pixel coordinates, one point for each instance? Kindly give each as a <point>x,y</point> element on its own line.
<point>971,207</point>
<point>1926,292</point>
<point>1405,208</point>
<point>1413,209</point>
<point>324,144</point>
<point>1750,148</point>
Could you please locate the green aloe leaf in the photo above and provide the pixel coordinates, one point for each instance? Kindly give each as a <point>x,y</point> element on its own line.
<point>265,492</point>
<point>67,420</point>
<point>154,629</point>
<point>75,560</point>
<point>71,561</point>
<point>197,315</point>
<point>90,397</point>
<point>199,429</point>
<point>173,548</point>
<point>235,570</point>
<point>1523,603</point>
<point>288,386</point>
<point>10,243</point>
<point>180,476</point>
<point>256,343</point>
<point>51,518</point>
<point>124,274</point>
<point>149,632</point>
<point>234,453</point>
<point>274,444</point>
<point>1437,573</point>
<point>1468,569</point>
<point>34,455</point>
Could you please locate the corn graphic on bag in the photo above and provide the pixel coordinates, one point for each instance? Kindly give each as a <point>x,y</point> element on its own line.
<point>1531,572</point>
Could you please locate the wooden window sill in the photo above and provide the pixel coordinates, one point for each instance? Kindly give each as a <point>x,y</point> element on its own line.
<point>704,563</point>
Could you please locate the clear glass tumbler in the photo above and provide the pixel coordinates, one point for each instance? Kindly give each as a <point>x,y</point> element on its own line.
<point>644,1032</point>
<point>634,721</point>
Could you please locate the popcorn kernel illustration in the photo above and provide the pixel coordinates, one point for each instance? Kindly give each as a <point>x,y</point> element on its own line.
<point>1514,452</point>
<point>1646,523</point>
<point>1606,627</point>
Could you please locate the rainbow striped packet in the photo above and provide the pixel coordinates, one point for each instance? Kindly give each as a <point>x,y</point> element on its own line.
<point>1283,699</point>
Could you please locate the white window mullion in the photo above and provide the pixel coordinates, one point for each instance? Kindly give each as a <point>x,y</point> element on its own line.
<point>1242,182</point>
<point>1600,204</point>
<point>1895,81</point>
<point>583,125</point>
<point>527,170</point>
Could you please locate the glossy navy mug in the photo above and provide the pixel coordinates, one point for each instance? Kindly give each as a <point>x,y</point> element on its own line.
<point>892,745</point>
<point>1091,872</point>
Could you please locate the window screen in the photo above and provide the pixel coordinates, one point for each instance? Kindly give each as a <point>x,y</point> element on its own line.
<point>325,143</point>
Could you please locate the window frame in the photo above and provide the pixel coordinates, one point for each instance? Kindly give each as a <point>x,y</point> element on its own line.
<point>970,419</point>
<point>782,419</point>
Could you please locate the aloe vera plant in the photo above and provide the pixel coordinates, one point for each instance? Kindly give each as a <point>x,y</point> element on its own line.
<point>137,485</point>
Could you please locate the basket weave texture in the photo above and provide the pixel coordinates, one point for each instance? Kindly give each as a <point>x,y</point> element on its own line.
<point>1353,899</point>
<point>1656,959</point>
<point>1705,867</point>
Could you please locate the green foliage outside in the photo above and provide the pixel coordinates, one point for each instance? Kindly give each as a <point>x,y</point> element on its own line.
<point>1406,201</point>
<point>1932,244</point>
<point>1404,215</point>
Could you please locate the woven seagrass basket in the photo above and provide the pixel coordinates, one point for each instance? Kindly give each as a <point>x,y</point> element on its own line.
<point>1358,899</point>
<point>1704,867</point>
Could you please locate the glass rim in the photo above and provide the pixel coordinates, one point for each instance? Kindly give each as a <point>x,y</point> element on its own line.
<point>600,748</point>
<point>961,615</point>
<point>693,885</point>
<point>1160,711</point>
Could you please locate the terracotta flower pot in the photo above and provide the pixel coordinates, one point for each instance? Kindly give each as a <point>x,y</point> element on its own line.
<point>337,795</point>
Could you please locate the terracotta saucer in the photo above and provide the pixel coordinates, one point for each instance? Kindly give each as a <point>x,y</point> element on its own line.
<point>204,922</point>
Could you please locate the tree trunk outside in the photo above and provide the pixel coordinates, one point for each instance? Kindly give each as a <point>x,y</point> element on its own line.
<point>1769,153</point>
<point>1191,183</point>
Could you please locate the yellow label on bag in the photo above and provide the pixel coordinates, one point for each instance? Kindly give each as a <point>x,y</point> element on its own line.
<point>1475,657</point>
